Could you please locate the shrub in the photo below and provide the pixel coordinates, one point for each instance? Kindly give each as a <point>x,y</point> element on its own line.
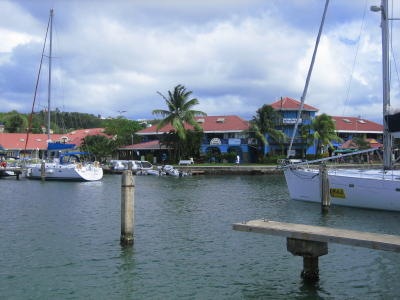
<point>271,159</point>
<point>149,157</point>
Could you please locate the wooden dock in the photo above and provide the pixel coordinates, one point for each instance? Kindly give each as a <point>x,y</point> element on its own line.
<point>323,234</point>
<point>312,241</point>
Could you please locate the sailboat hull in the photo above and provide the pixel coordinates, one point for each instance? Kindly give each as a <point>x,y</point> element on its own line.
<point>356,188</point>
<point>71,172</point>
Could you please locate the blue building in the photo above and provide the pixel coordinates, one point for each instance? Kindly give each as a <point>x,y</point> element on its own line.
<point>222,134</point>
<point>288,111</point>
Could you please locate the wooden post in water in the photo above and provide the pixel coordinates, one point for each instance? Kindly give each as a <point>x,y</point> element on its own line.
<point>324,188</point>
<point>127,207</point>
<point>43,171</point>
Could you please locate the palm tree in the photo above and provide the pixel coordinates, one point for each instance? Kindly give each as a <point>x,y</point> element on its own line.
<point>322,131</point>
<point>179,111</point>
<point>264,122</point>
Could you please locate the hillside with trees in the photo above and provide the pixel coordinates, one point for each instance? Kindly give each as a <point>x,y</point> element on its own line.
<point>61,122</point>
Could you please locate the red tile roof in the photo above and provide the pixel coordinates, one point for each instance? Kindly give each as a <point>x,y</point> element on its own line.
<point>351,124</point>
<point>291,104</point>
<point>76,137</point>
<point>16,141</point>
<point>152,145</point>
<point>210,124</point>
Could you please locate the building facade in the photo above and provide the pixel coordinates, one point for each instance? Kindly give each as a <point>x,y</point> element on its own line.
<point>35,145</point>
<point>222,134</point>
<point>288,111</point>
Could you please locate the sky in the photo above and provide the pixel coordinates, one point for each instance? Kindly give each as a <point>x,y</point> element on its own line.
<point>111,58</point>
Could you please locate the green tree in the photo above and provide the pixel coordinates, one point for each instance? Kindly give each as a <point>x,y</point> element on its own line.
<point>321,131</point>
<point>99,145</point>
<point>361,143</point>
<point>189,147</point>
<point>123,129</point>
<point>15,122</point>
<point>264,123</point>
<point>183,142</point>
<point>179,111</point>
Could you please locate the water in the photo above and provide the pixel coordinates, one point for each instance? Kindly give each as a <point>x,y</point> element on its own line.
<point>60,240</point>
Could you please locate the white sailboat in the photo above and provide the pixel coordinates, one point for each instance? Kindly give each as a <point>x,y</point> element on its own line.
<point>60,168</point>
<point>375,189</point>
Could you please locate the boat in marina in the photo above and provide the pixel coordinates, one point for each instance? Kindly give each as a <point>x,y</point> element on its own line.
<point>374,189</point>
<point>59,167</point>
<point>65,168</point>
<point>146,168</point>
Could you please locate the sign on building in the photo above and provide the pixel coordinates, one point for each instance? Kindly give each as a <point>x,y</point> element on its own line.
<point>291,153</point>
<point>291,120</point>
<point>234,142</point>
<point>215,141</point>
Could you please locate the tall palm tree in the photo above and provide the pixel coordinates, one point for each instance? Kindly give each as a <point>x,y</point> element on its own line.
<point>179,111</point>
<point>264,122</point>
<point>322,131</point>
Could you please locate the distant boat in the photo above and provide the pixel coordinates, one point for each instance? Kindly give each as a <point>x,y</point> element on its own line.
<point>60,168</point>
<point>376,189</point>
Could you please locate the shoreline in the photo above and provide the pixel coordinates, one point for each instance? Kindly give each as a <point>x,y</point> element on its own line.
<point>245,170</point>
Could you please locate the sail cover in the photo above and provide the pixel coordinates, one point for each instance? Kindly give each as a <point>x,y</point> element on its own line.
<point>59,146</point>
<point>394,122</point>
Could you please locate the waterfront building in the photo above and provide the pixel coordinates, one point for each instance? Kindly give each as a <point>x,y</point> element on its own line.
<point>288,111</point>
<point>13,144</point>
<point>348,128</point>
<point>222,134</point>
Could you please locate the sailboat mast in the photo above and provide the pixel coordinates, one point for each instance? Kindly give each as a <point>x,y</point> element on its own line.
<point>310,69</point>
<point>49,83</point>
<point>387,138</point>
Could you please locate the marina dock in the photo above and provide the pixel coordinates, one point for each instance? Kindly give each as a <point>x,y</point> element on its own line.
<point>312,241</point>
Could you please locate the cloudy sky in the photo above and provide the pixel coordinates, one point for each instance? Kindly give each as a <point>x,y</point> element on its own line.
<point>235,55</point>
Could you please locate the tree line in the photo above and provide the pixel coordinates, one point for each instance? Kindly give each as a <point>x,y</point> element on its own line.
<point>61,122</point>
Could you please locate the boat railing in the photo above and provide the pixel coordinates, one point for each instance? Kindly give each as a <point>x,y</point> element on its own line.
<point>287,164</point>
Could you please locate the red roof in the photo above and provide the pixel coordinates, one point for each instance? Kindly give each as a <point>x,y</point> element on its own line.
<point>39,141</point>
<point>291,104</point>
<point>152,145</point>
<point>351,124</point>
<point>209,124</point>
<point>17,141</point>
<point>76,137</point>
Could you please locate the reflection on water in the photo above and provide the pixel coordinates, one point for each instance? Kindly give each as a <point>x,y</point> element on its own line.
<point>60,240</point>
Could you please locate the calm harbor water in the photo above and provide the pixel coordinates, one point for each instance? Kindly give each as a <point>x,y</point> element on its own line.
<point>60,240</point>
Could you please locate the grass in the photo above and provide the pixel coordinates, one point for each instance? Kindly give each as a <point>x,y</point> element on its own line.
<point>226,165</point>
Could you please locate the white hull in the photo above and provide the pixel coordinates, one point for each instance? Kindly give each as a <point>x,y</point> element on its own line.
<point>73,172</point>
<point>356,188</point>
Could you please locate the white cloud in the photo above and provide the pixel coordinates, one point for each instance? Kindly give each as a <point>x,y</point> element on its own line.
<point>234,57</point>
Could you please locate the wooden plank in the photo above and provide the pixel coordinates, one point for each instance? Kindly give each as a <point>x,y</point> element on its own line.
<point>323,234</point>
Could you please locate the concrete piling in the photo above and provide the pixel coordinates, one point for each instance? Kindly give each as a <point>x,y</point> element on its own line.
<point>127,208</point>
<point>310,251</point>
<point>324,188</point>
<point>43,171</point>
